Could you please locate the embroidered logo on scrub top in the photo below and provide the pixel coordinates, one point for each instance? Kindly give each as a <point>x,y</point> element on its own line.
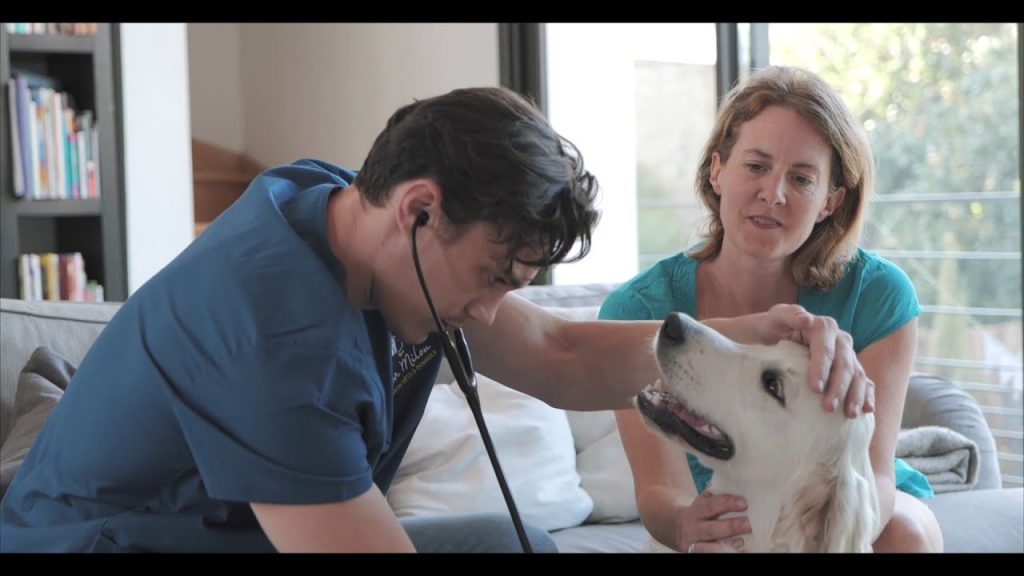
<point>407,360</point>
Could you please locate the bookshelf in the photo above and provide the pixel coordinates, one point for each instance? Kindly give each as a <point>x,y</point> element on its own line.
<point>87,67</point>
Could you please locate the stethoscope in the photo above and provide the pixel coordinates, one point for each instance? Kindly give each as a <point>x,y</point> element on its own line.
<point>457,352</point>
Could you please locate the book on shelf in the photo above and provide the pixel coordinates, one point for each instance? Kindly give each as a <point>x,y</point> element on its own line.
<point>17,124</point>
<point>56,150</point>
<point>52,276</point>
<point>53,28</point>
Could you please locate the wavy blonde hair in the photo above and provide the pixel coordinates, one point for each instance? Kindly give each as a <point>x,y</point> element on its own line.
<point>820,262</point>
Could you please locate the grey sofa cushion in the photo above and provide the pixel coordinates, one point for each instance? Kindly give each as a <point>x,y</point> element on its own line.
<point>972,521</point>
<point>934,401</point>
<point>41,384</point>
<point>68,328</point>
<point>594,538</point>
<point>981,520</point>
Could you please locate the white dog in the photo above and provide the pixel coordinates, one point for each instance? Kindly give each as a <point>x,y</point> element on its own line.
<point>749,414</point>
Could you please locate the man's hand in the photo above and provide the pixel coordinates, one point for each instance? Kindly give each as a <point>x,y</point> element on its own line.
<point>832,356</point>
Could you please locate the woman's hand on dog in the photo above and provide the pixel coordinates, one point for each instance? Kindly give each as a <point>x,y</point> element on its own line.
<point>700,528</point>
<point>832,356</point>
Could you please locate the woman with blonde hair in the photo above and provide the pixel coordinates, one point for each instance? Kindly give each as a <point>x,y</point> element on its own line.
<point>786,177</point>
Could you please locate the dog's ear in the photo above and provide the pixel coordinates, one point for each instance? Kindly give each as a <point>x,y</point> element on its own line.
<point>801,523</point>
<point>851,522</point>
<point>835,508</point>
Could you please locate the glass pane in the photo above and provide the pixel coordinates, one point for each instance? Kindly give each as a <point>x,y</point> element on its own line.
<point>665,229</point>
<point>638,101</point>
<point>941,107</point>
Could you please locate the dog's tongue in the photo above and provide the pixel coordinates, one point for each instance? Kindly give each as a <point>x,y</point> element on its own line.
<point>686,416</point>
<point>657,395</point>
<point>678,408</point>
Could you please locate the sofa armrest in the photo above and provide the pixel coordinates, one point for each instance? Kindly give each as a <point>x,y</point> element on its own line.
<point>935,401</point>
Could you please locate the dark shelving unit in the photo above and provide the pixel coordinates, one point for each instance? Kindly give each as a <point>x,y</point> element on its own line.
<point>88,68</point>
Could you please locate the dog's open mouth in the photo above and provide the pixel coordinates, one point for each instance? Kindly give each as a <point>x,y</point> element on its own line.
<point>674,417</point>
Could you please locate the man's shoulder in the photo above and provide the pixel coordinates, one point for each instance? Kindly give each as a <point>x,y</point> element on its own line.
<point>262,290</point>
<point>308,172</point>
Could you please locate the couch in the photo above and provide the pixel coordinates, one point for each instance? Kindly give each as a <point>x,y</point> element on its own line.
<point>566,469</point>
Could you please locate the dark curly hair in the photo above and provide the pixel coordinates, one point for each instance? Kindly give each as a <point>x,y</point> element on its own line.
<point>496,159</point>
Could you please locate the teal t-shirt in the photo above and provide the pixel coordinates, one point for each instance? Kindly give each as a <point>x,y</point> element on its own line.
<point>874,299</point>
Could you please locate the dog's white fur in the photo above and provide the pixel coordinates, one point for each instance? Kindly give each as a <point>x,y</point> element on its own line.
<point>805,473</point>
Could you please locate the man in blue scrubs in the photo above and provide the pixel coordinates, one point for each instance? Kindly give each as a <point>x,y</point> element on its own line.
<point>251,395</point>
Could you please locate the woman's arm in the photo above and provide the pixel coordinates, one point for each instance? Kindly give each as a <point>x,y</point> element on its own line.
<point>887,363</point>
<point>666,495</point>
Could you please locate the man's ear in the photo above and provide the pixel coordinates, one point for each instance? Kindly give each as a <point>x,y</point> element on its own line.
<point>415,198</point>
<point>835,199</point>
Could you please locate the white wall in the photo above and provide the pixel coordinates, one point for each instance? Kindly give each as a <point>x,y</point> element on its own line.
<point>215,81</point>
<point>594,92</point>
<point>591,101</point>
<point>326,90</point>
<point>157,147</point>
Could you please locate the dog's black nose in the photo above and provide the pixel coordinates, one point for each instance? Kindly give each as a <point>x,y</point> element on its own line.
<point>674,328</point>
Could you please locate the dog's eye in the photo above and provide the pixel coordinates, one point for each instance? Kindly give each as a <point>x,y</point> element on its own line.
<point>773,385</point>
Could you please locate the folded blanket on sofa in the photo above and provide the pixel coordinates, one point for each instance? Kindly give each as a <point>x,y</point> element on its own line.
<point>947,458</point>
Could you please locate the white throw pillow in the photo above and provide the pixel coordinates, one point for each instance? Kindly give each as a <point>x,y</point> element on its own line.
<point>600,458</point>
<point>589,427</point>
<point>605,475</point>
<point>602,465</point>
<point>446,469</point>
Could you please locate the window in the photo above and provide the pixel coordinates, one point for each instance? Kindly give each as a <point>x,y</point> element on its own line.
<point>940,105</point>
